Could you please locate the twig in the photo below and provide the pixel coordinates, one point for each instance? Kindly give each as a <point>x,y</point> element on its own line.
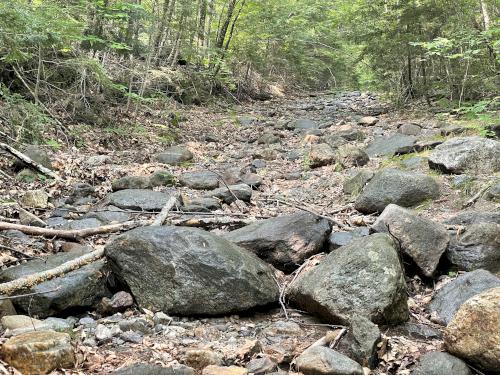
<point>39,277</point>
<point>162,216</point>
<point>6,175</point>
<point>12,250</point>
<point>27,160</point>
<point>221,178</point>
<point>29,294</point>
<point>72,234</point>
<point>478,195</point>
<point>282,289</point>
<point>335,342</point>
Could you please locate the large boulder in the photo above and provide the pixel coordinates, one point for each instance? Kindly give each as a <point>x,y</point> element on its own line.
<point>81,288</point>
<point>469,154</point>
<point>320,360</point>
<point>449,298</point>
<point>174,155</point>
<point>364,278</point>
<point>405,189</point>
<point>477,247</point>
<point>139,199</point>
<point>474,332</point>
<point>189,271</point>
<point>389,146</point>
<point>39,352</point>
<point>438,363</point>
<point>285,241</point>
<point>423,240</point>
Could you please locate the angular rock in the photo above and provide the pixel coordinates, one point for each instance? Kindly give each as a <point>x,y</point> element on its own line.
<point>450,297</point>
<point>150,369</point>
<point>437,363</point>
<point>285,241</point>
<point>415,331</point>
<point>364,278</point>
<point>477,247</point>
<point>389,146</point>
<point>410,129</point>
<point>493,193</point>
<point>83,287</point>
<point>131,182</point>
<point>190,271</point>
<point>405,189</point>
<point>338,239</point>
<point>350,156</point>
<point>201,358</point>
<point>361,342</point>
<point>261,366</point>
<point>174,155</point>
<point>334,141</point>
<point>139,199</point>
<point>320,360</point>
<point>368,120</point>
<point>36,154</point>
<point>242,192</point>
<point>423,240</point>
<point>469,154</point>
<point>161,178</point>
<point>355,184</point>
<point>201,180</point>
<point>119,302</point>
<point>474,217</point>
<point>351,134</point>
<point>321,154</point>
<point>219,370</point>
<point>39,352</point>
<point>35,199</point>
<point>474,332</point>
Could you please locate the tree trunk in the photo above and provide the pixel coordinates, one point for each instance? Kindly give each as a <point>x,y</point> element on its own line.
<point>225,25</point>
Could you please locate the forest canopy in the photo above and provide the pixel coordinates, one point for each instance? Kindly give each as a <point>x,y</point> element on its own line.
<point>69,56</point>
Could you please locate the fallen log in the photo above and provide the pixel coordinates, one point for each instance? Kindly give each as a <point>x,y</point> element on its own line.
<point>211,221</point>
<point>162,216</point>
<point>39,277</point>
<point>72,234</point>
<point>28,160</point>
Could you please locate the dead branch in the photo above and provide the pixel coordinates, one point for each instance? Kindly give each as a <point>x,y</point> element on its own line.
<point>72,234</point>
<point>162,216</point>
<point>27,160</point>
<point>478,195</point>
<point>211,221</point>
<point>39,277</point>
<point>221,178</point>
<point>30,294</point>
<point>12,250</point>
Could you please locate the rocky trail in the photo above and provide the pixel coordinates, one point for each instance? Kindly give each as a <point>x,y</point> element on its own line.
<point>318,234</point>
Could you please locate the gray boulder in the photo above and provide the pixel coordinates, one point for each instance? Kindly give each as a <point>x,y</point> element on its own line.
<point>477,247</point>
<point>161,178</point>
<point>410,129</point>
<point>188,271</point>
<point>229,194</point>
<point>423,240</point>
<point>474,217</point>
<point>469,154</point>
<point>200,180</point>
<point>405,189</point>
<point>83,287</point>
<point>449,298</point>
<point>438,363</point>
<point>285,241</point>
<point>351,156</point>
<point>174,155</point>
<point>389,146</point>
<point>35,153</point>
<point>131,182</point>
<point>150,369</point>
<point>355,184</point>
<point>320,360</point>
<point>338,239</point>
<point>361,342</point>
<point>493,193</point>
<point>364,278</point>
<point>139,199</point>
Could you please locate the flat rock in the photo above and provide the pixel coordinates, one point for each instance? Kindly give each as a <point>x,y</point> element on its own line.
<point>174,155</point>
<point>474,332</point>
<point>438,363</point>
<point>450,297</point>
<point>321,154</point>
<point>338,239</point>
<point>139,199</point>
<point>131,182</point>
<point>220,370</point>
<point>303,124</point>
<point>150,369</point>
<point>368,120</point>
<point>190,271</point>
<point>39,352</point>
<point>423,240</point>
<point>320,360</point>
<point>477,247</point>
<point>389,146</point>
<point>469,154</point>
<point>285,241</point>
<point>405,189</point>
<point>200,180</point>
<point>83,287</point>
<point>364,277</point>
<point>229,194</point>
